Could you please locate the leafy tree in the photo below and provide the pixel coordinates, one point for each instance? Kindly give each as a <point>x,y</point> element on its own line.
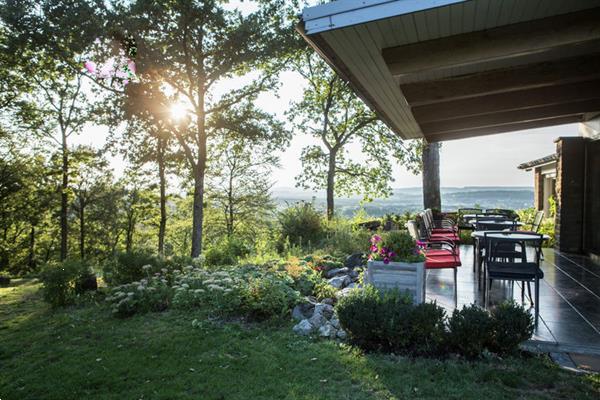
<point>46,38</point>
<point>332,113</point>
<point>91,180</point>
<point>191,46</point>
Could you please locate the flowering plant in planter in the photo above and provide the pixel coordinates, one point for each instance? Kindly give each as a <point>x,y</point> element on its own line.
<point>395,246</point>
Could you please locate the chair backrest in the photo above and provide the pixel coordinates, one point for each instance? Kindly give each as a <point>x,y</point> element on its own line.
<point>537,221</point>
<point>497,244</point>
<point>466,211</point>
<point>413,229</point>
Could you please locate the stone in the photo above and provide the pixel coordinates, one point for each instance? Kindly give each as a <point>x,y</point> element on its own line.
<point>304,327</point>
<point>354,260</point>
<point>336,271</point>
<point>354,274</point>
<point>352,285</point>
<point>328,331</point>
<point>335,322</point>
<point>341,334</point>
<point>328,300</point>
<point>298,313</point>
<point>326,310</point>
<point>339,282</point>
<point>317,320</point>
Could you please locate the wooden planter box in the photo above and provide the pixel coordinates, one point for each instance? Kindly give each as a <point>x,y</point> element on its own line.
<point>398,275</point>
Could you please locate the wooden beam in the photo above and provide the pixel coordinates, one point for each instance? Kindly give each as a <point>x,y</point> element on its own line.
<point>504,80</point>
<point>485,47</point>
<point>522,99</point>
<point>517,126</point>
<point>507,117</point>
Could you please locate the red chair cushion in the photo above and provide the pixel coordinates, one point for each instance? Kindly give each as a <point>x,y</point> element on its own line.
<point>442,261</point>
<point>442,252</point>
<point>441,237</point>
<point>443,230</point>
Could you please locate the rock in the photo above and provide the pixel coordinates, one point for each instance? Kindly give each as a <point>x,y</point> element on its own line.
<point>339,282</point>
<point>304,327</point>
<point>354,274</point>
<point>336,271</point>
<point>298,313</point>
<point>335,322</point>
<point>328,301</point>
<point>312,300</point>
<point>354,260</point>
<point>327,330</point>
<point>352,285</point>
<point>317,320</point>
<point>341,334</point>
<point>326,310</point>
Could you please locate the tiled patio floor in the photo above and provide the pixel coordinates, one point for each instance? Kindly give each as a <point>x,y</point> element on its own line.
<point>569,297</point>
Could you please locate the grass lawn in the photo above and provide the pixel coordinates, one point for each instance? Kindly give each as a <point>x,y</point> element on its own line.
<point>84,353</point>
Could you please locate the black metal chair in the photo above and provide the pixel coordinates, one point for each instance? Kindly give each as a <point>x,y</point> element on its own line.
<point>506,259</point>
<point>536,223</point>
<point>503,211</point>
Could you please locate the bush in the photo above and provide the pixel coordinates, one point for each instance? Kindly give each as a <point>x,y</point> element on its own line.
<point>470,331</point>
<point>512,324</point>
<point>390,322</point>
<point>4,278</point>
<point>152,293</point>
<point>227,252</point>
<point>269,296</point>
<point>300,224</point>
<point>427,329</point>
<point>361,316</point>
<point>343,238</point>
<point>64,282</point>
<point>128,267</point>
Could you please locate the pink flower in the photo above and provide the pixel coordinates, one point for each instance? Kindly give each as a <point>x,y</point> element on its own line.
<point>376,239</point>
<point>90,66</point>
<point>373,248</point>
<point>131,66</point>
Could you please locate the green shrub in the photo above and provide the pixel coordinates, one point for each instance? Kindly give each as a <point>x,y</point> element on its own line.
<point>269,296</point>
<point>470,331</point>
<point>4,278</point>
<point>128,267</point>
<point>323,290</point>
<point>62,282</point>
<point>300,224</point>
<point>390,322</point>
<point>152,293</point>
<point>226,252</point>
<point>513,324</point>
<point>361,316</point>
<point>427,331</point>
<point>343,238</point>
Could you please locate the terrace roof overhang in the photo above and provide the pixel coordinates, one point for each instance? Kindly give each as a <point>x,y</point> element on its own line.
<point>451,69</point>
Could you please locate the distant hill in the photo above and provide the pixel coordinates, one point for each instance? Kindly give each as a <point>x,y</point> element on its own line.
<point>410,199</point>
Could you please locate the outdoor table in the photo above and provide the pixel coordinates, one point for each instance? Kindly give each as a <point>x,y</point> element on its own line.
<point>473,216</point>
<point>509,235</point>
<point>496,222</point>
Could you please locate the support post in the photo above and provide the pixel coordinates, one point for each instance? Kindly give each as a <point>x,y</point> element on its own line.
<point>431,176</point>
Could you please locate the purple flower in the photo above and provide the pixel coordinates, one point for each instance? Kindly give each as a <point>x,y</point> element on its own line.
<point>392,254</point>
<point>376,239</point>
<point>386,260</point>
<point>384,250</point>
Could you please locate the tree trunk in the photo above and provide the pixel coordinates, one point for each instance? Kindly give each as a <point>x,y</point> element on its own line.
<point>330,185</point>
<point>229,217</point>
<point>431,177</point>
<point>129,233</point>
<point>163,197</point>
<point>64,199</point>
<point>199,171</point>
<point>31,261</point>
<point>82,228</point>
<point>197,214</point>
